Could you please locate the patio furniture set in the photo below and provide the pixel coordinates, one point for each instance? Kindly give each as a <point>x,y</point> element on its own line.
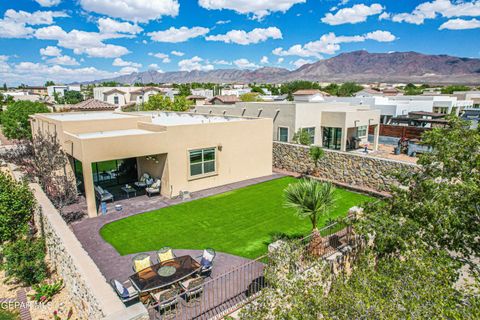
<point>146,182</point>
<point>164,284</point>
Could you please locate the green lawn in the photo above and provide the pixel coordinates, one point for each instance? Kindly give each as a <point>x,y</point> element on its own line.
<point>240,222</point>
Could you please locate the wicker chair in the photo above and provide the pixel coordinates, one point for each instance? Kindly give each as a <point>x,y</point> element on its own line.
<point>207,262</point>
<point>140,257</point>
<point>165,254</point>
<point>125,291</point>
<point>165,300</point>
<point>192,289</point>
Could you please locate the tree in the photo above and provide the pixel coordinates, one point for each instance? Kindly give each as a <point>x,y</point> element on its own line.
<point>184,90</point>
<point>437,205</point>
<point>17,205</point>
<point>15,120</point>
<point>348,89</point>
<point>158,102</point>
<point>316,153</point>
<point>181,104</point>
<point>302,137</point>
<point>452,89</point>
<point>72,97</point>
<point>311,199</point>
<point>250,97</point>
<point>49,83</point>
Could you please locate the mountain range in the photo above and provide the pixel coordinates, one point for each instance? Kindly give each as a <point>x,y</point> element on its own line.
<point>359,66</point>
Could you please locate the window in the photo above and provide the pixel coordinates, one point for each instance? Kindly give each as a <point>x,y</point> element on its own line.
<point>311,133</point>
<point>332,138</point>
<point>202,162</point>
<point>115,100</point>
<point>362,131</point>
<point>283,134</point>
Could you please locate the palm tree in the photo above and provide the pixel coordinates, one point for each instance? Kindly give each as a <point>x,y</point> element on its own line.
<point>311,199</point>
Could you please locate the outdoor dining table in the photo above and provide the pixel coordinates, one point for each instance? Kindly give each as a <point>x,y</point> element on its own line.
<point>164,274</point>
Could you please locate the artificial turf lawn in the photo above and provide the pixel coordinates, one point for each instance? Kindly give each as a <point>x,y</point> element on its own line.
<point>240,222</point>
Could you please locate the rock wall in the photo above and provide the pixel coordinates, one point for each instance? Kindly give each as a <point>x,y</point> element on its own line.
<point>343,167</point>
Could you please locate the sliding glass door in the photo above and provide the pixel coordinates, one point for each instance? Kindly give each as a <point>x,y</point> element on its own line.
<point>115,172</point>
<point>332,138</point>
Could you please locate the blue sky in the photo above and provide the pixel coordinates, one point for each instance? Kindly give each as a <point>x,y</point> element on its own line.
<point>78,40</point>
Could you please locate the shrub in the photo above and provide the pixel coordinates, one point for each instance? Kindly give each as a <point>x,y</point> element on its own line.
<point>25,260</point>
<point>15,120</point>
<point>17,205</point>
<point>44,292</point>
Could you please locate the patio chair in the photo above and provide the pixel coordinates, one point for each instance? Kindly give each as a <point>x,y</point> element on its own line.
<point>165,254</point>
<point>207,262</point>
<point>192,288</point>
<point>125,291</point>
<point>165,300</point>
<point>103,195</point>
<point>143,182</point>
<point>154,188</point>
<point>141,261</point>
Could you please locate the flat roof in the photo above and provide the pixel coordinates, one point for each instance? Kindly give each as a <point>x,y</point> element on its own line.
<point>113,133</point>
<point>172,118</point>
<point>86,116</point>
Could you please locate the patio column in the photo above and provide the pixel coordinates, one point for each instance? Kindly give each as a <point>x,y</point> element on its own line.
<point>343,144</point>
<point>376,135</point>
<point>89,191</point>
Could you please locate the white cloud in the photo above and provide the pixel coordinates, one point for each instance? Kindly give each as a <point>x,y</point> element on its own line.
<point>4,58</point>
<point>165,57</point>
<point>357,13</point>
<point>264,60</point>
<point>381,36</point>
<point>259,8</point>
<point>119,62</point>
<point>36,73</point>
<point>107,25</point>
<point>51,51</point>
<point>300,62</point>
<point>63,61</point>
<point>222,62</point>
<point>15,24</point>
<point>48,3</point>
<point>245,64</point>
<point>444,8</point>
<point>460,24</point>
<point>384,16</point>
<point>195,63</point>
<point>128,70</point>
<point>280,60</point>
<point>82,42</point>
<point>330,43</point>
<point>223,22</point>
<point>133,10</point>
<point>175,35</point>
<point>177,53</point>
<point>155,67</point>
<point>245,38</point>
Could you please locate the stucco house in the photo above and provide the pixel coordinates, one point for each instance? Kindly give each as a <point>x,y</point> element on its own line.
<point>181,151</point>
<point>122,96</point>
<point>338,126</point>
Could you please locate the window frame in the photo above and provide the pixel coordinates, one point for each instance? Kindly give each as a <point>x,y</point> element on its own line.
<point>116,100</point>
<point>362,128</point>
<point>202,162</point>
<point>279,135</point>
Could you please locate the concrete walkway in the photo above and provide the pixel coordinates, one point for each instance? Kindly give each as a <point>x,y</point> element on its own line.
<point>112,265</point>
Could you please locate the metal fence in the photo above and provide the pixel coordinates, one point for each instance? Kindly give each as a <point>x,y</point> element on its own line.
<point>221,295</point>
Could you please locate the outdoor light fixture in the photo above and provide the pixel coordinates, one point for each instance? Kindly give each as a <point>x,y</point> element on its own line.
<point>355,122</point>
<point>151,158</point>
<point>220,147</point>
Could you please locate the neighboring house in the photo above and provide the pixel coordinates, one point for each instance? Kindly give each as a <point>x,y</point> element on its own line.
<point>235,92</point>
<point>337,126</point>
<point>398,106</point>
<point>197,100</point>
<point>91,105</point>
<point>207,93</point>
<point>186,151</point>
<point>473,96</point>
<point>41,91</point>
<point>312,95</point>
<point>60,89</point>
<point>224,100</point>
<point>122,96</point>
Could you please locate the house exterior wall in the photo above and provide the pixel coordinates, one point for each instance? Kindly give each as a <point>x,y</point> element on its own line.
<point>243,150</point>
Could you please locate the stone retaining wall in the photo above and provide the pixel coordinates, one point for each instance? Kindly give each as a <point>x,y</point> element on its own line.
<point>343,167</point>
<point>87,288</point>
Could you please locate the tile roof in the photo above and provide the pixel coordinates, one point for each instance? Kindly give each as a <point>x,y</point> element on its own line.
<point>226,98</point>
<point>92,105</point>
